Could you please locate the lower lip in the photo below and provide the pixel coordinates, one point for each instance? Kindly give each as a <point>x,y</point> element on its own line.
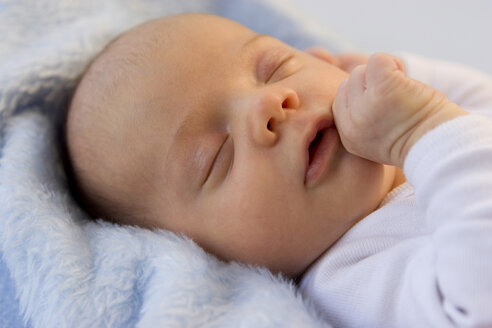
<point>316,171</point>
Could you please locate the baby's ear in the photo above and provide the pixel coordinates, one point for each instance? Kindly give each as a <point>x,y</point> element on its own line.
<point>324,55</point>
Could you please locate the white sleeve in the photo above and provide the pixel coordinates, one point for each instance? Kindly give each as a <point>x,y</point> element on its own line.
<point>451,171</point>
<point>470,89</point>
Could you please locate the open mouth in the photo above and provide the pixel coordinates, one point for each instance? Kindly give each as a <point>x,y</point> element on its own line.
<point>314,146</point>
<point>319,151</point>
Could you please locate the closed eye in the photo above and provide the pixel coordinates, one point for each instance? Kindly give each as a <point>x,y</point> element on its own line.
<point>221,163</point>
<point>278,67</point>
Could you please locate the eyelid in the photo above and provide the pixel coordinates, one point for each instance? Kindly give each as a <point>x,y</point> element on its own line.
<point>278,66</point>
<point>212,163</point>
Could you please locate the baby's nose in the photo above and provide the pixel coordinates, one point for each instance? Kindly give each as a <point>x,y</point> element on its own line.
<point>268,112</point>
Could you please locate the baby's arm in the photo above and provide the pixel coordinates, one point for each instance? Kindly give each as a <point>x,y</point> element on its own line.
<point>450,168</point>
<point>380,113</point>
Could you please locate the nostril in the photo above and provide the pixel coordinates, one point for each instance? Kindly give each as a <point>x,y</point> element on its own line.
<point>285,103</point>
<point>291,100</point>
<point>269,125</point>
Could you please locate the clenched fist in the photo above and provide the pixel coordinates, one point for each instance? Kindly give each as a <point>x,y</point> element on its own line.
<point>380,112</point>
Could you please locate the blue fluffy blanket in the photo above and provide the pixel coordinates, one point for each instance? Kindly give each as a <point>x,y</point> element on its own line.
<point>57,267</point>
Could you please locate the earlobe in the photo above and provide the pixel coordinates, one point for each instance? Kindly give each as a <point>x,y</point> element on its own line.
<point>324,55</point>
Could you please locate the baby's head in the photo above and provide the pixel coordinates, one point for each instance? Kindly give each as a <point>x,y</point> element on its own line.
<point>198,125</point>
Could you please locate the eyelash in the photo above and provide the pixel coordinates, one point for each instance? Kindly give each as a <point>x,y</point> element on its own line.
<point>278,66</point>
<point>213,162</point>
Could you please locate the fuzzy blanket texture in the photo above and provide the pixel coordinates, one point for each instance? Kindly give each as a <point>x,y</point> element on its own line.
<point>58,268</point>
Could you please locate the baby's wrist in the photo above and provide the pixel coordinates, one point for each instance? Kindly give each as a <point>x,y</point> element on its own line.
<point>447,112</point>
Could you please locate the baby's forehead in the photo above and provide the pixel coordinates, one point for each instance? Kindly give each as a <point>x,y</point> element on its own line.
<point>165,63</point>
<point>179,44</point>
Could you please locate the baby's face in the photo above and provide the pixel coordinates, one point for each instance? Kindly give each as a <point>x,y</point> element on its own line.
<point>236,134</point>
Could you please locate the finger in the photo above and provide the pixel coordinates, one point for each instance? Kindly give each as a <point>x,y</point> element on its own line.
<point>357,83</point>
<point>348,61</point>
<point>340,104</point>
<point>381,66</point>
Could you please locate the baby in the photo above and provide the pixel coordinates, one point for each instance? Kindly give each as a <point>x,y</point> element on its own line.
<point>276,157</point>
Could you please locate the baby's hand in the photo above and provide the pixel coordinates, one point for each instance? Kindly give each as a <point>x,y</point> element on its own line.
<point>380,113</point>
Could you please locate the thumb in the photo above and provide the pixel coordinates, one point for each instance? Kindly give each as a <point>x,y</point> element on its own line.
<point>382,66</point>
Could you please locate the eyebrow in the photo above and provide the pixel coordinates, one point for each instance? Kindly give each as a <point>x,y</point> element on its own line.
<point>253,40</point>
